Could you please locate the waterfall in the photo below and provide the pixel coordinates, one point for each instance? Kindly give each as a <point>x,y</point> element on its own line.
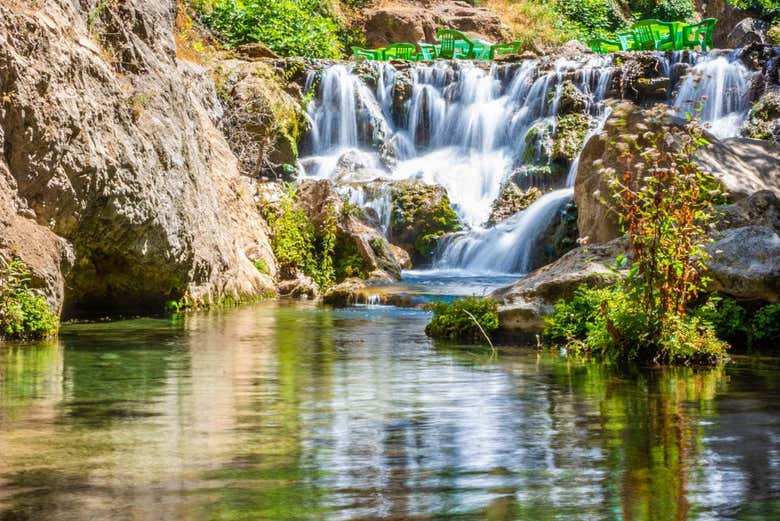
<point>473,127</point>
<point>716,91</point>
<point>507,247</point>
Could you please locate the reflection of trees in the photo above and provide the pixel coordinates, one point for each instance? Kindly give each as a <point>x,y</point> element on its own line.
<point>646,430</point>
<point>29,375</point>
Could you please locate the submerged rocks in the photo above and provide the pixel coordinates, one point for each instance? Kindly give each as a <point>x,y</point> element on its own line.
<point>421,214</point>
<point>112,145</point>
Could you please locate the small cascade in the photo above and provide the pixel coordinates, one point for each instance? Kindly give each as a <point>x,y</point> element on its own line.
<point>509,246</point>
<point>716,91</point>
<point>471,128</point>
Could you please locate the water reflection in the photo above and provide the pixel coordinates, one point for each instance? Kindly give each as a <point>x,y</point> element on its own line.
<point>294,412</point>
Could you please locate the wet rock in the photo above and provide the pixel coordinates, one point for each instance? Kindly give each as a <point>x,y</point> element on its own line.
<point>764,118</point>
<point>112,145</point>
<point>298,285</point>
<point>572,99</point>
<point>262,122</point>
<point>639,76</point>
<point>559,238</point>
<point>523,305</point>
<point>347,293</point>
<point>402,93</point>
<point>747,31</point>
<point>421,215</point>
<point>569,138</point>
<point>511,200</point>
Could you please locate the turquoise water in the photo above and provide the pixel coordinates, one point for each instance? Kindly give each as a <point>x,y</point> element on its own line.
<point>289,412</point>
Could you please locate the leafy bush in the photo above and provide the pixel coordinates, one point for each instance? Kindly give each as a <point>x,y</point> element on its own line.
<point>609,323</point>
<point>451,320</point>
<point>765,326</point>
<point>23,312</point>
<point>590,18</point>
<point>289,27</point>
<point>670,10</point>
<point>739,326</point>
<point>767,8</point>
<point>298,245</point>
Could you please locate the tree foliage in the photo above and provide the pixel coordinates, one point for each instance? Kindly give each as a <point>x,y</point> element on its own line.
<point>24,314</point>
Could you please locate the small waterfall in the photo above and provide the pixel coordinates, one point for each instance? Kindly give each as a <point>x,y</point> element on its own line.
<point>507,247</point>
<point>471,129</point>
<point>716,91</point>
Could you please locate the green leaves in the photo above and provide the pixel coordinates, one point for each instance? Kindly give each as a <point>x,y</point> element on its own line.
<point>451,320</point>
<point>288,27</point>
<point>23,312</point>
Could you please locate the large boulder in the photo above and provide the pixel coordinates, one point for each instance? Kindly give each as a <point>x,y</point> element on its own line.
<point>421,215</point>
<point>111,144</point>
<point>417,22</point>
<point>523,306</point>
<point>742,166</point>
<point>747,31</point>
<point>728,16</point>
<point>745,252</point>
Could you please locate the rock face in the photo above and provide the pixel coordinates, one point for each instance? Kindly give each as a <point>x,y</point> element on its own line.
<point>523,305</point>
<point>728,17</point>
<point>743,166</point>
<point>110,146</point>
<point>747,31</point>
<point>511,200</point>
<point>417,22</point>
<point>262,122</point>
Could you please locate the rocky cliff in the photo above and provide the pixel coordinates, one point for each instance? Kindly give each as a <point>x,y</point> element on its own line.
<point>117,188</point>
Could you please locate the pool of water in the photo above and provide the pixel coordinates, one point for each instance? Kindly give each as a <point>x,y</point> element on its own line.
<point>286,412</point>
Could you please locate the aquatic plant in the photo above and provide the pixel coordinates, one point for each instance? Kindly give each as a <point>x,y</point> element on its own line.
<point>24,313</point>
<point>469,318</point>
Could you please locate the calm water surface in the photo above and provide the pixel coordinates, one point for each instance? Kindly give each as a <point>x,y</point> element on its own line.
<point>292,412</point>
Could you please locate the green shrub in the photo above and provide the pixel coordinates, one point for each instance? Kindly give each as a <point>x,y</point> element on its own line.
<point>262,266</point>
<point>451,320</point>
<point>289,27</point>
<point>298,245</point>
<point>767,8</point>
<point>729,320</point>
<point>24,314</point>
<point>765,326</point>
<point>609,323</point>
<point>669,10</point>
<point>590,18</point>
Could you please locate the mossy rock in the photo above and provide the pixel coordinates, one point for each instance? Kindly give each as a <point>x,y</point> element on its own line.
<point>569,137</point>
<point>764,118</point>
<point>421,214</point>
<point>511,200</point>
<point>572,100</point>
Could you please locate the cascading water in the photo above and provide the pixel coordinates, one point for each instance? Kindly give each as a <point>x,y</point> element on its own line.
<point>716,91</point>
<point>470,129</point>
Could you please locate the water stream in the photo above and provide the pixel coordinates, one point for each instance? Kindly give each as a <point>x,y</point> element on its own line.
<point>293,412</point>
<point>472,128</point>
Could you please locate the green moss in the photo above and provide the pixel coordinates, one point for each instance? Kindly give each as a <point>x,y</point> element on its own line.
<point>262,266</point>
<point>453,320</point>
<point>24,313</point>
<point>421,215</point>
<point>569,136</point>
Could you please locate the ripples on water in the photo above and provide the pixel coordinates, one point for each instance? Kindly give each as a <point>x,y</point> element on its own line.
<point>293,412</point>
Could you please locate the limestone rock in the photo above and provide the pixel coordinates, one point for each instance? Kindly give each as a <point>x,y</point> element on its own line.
<point>321,202</point>
<point>255,50</point>
<point>523,305</point>
<point>743,166</point>
<point>112,146</point>
<point>298,285</point>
